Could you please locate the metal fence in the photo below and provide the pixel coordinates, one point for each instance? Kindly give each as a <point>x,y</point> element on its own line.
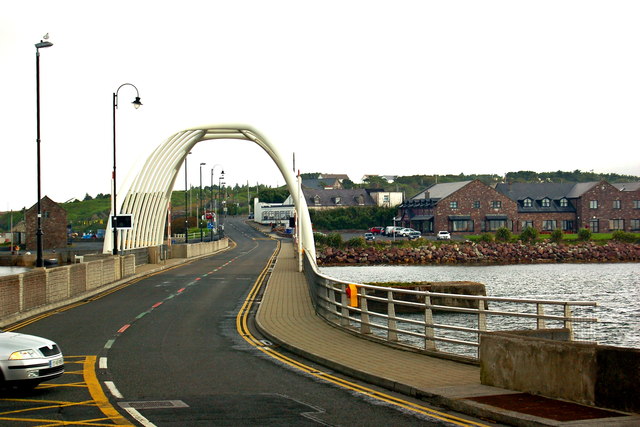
<point>447,324</point>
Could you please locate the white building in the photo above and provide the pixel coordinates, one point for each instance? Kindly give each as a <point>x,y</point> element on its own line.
<point>273,213</point>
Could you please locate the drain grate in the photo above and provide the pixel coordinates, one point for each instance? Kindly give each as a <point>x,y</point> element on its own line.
<point>154,404</point>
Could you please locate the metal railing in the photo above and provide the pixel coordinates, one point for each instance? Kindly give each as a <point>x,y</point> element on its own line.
<point>446,324</point>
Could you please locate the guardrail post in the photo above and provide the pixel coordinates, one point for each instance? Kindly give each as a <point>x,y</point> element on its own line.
<point>540,321</point>
<point>429,333</point>
<point>482,315</point>
<point>344,311</point>
<point>567,323</point>
<point>365,328</point>
<point>392,325</point>
<point>331,296</point>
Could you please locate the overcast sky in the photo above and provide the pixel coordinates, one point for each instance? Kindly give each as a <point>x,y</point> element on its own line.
<point>354,87</point>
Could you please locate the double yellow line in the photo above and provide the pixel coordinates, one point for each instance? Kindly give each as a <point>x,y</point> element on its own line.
<point>243,330</point>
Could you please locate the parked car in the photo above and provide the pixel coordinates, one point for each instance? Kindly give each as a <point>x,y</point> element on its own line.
<point>27,360</point>
<point>414,235</point>
<point>403,232</point>
<point>376,230</point>
<point>443,235</point>
<point>369,237</point>
<point>389,231</point>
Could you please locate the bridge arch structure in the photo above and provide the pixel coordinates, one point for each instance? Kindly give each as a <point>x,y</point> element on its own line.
<point>149,193</point>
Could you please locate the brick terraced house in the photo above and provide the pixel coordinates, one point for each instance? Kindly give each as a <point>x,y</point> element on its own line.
<point>53,222</point>
<point>471,207</point>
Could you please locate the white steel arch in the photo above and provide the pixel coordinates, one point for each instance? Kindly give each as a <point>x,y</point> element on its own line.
<point>148,196</point>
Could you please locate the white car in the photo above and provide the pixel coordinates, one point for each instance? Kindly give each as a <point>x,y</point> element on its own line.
<point>443,235</point>
<point>27,360</point>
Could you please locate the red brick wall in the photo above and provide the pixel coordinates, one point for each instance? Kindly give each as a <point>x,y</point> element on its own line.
<point>54,225</point>
<point>605,194</point>
<point>474,191</point>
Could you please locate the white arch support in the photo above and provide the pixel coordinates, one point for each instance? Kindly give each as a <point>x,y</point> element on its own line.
<point>148,196</point>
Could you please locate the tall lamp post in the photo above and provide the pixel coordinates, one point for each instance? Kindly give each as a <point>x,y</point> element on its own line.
<point>200,211</point>
<point>41,45</point>
<point>214,206</point>
<point>114,219</point>
<point>220,183</point>
<point>186,202</point>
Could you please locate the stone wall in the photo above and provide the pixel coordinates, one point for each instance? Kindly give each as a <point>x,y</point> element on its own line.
<point>24,295</point>
<point>192,250</point>
<point>602,376</point>
<point>482,253</point>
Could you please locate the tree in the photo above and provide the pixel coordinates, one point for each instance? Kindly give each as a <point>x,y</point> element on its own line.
<point>87,197</point>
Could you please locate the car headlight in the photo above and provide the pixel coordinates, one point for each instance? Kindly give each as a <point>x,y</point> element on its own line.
<point>24,354</point>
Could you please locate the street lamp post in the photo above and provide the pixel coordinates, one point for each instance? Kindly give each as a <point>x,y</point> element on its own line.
<point>200,213</point>
<point>214,206</point>
<point>220,183</point>
<point>114,219</point>
<point>39,256</point>
<point>186,204</point>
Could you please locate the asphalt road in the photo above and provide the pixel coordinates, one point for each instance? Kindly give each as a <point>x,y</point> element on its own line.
<point>168,347</point>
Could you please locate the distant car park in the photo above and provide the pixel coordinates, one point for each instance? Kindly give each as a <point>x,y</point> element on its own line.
<point>376,230</point>
<point>369,237</point>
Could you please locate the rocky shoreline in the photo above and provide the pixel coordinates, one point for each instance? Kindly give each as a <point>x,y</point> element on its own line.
<point>490,253</point>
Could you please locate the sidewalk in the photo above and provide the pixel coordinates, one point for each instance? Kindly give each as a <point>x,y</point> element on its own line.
<point>287,317</point>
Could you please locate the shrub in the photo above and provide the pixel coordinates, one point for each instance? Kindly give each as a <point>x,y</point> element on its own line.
<point>486,237</point>
<point>557,235</point>
<point>623,236</point>
<point>356,242</point>
<point>320,238</point>
<point>334,240</point>
<point>584,234</point>
<point>503,234</point>
<point>529,234</point>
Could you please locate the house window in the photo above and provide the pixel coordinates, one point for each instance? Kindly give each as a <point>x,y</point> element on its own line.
<point>545,203</point>
<point>385,198</point>
<point>548,224</point>
<point>593,204</point>
<point>316,200</point>
<point>527,224</point>
<point>564,203</point>
<point>567,225</point>
<point>462,225</point>
<point>453,205</point>
<point>594,225</point>
<point>476,204</point>
<point>360,199</point>
<point>496,204</point>
<point>338,200</point>
<point>616,204</point>
<point>616,224</point>
<point>527,203</point>
<point>494,224</point>
<point>636,204</point>
<point>635,225</point>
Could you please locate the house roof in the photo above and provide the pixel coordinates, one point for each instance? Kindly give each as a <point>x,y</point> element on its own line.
<point>331,197</point>
<point>320,183</point>
<point>580,188</point>
<point>338,176</point>
<point>440,191</point>
<point>627,186</point>
<point>538,191</point>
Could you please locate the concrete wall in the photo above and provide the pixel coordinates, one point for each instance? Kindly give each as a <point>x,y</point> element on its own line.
<point>24,295</point>
<point>590,374</point>
<point>192,250</point>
